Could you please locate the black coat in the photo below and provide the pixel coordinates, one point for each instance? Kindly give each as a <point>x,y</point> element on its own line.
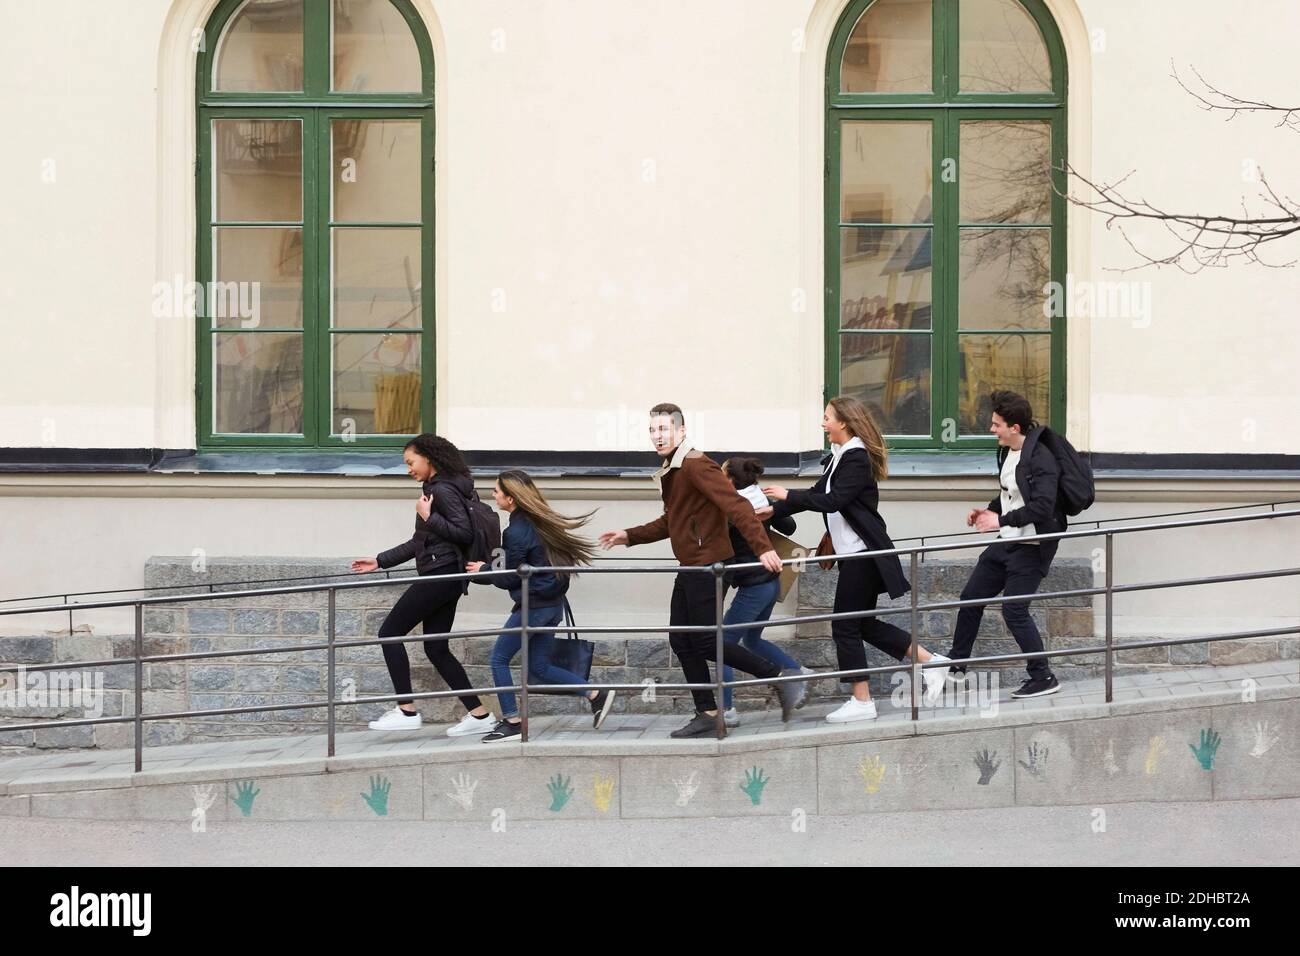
<point>438,544</point>
<point>745,555</point>
<point>856,496</point>
<point>1037,477</point>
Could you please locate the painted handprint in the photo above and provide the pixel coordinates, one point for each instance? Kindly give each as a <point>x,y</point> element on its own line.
<point>1108,759</point>
<point>872,773</point>
<point>1265,737</point>
<point>377,798</point>
<point>1206,751</point>
<point>754,784</point>
<point>244,797</point>
<point>686,788</point>
<point>1037,765</point>
<point>602,792</point>
<point>560,791</point>
<point>464,795</point>
<point>204,797</point>
<point>987,764</point>
<point>1155,748</point>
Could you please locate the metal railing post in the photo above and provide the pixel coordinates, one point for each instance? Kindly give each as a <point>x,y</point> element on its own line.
<point>330,677</point>
<point>139,688</point>
<point>65,601</point>
<point>1110,617</point>
<point>916,618</point>
<point>525,572</point>
<point>720,717</point>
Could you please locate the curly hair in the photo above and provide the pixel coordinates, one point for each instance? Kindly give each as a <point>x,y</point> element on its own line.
<point>442,454</point>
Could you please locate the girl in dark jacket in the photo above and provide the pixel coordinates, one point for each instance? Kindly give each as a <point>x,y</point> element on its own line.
<point>538,536</point>
<point>756,588</point>
<point>442,530</point>
<point>848,496</point>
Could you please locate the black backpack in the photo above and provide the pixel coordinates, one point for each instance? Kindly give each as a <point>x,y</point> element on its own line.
<point>1076,491</point>
<point>487,530</point>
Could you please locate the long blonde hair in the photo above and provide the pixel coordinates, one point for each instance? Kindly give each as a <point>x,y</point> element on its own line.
<point>857,419</point>
<point>563,547</point>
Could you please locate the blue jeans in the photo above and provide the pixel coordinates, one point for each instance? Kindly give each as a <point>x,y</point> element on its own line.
<point>755,604</point>
<point>540,669</point>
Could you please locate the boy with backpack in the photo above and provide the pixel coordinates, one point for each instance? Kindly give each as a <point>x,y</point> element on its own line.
<point>1043,479</point>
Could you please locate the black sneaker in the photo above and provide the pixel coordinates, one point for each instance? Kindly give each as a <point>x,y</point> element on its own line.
<point>504,731</point>
<point>600,707</point>
<point>701,725</point>
<point>1037,687</point>
<point>957,675</point>
<point>791,693</point>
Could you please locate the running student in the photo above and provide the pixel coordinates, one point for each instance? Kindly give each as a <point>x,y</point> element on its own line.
<point>538,536</point>
<point>848,496</point>
<point>442,530</point>
<point>757,589</point>
<point>698,501</point>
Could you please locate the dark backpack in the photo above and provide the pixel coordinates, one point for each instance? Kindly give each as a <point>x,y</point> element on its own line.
<point>487,530</point>
<point>1076,491</point>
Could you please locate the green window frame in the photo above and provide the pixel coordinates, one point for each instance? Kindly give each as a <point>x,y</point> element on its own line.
<point>317,108</point>
<point>944,107</point>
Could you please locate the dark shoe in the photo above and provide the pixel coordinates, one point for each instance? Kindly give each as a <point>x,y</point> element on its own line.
<point>1037,687</point>
<point>791,693</point>
<point>600,707</point>
<point>957,675</point>
<point>504,731</point>
<point>701,725</point>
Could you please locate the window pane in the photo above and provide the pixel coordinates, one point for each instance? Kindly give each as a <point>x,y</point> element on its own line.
<point>885,278</point>
<point>890,49</point>
<point>261,49</point>
<point>260,266</point>
<point>1003,278</point>
<point>1001,49</point>
<point>377,384</point>
<point>1005,171</point>
<point>376,170</point>
<point>885,171</point>
<point>257,170</point>
<point>890,374</point>
<point>376,278</point>
<point>1021,363</point>
<point>374,51</point>
<point>258,382</point>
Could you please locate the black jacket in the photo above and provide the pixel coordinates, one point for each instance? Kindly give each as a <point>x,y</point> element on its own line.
<point>1037,476</point>
<point>523,545</point>
<point>856,496</point>
<point>745,554</point>
<point>438,543</point>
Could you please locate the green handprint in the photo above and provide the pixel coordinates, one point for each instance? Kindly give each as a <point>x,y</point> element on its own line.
<point>560,792</point>
<point>1205,752</point>
<point>245,795</point>
<point>378,795</point>
<point>754,784</point>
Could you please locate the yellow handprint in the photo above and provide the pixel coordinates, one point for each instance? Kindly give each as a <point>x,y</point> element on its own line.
<point>872,773</point>
<point>1154,749</point>
<point>602,792</point>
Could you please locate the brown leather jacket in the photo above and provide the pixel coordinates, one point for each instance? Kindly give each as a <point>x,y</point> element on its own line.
<point>698,501</point>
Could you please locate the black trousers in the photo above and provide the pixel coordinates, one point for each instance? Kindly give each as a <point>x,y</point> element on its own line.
<point>1011,570</point>
<point>432,603</point>
<point>858,589</point>
<point>694,602</point>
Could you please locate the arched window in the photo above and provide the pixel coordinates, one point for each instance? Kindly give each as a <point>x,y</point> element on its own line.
<point>945,132</point>
<point>315,215</point>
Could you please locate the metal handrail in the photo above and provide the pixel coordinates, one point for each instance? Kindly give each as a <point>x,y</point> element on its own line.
<point>331,645</point>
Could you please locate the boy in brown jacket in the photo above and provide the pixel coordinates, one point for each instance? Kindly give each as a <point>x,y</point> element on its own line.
<point>698,501</point>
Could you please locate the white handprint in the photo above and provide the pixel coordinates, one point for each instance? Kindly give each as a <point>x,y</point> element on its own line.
<point>464,795</point>
<point>1265,737</point>
<point>204,797</point>
<point>1108,758</point>
<point>686,788</point>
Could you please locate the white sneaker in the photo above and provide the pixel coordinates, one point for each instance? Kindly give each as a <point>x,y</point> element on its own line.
<point>396,719</point>
<point>470,726</point>
<point>731,717</point>
<point>853,709</point>
<point>934,678</point>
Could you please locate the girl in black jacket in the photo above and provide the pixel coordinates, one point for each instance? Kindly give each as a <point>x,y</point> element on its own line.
<point>442,529</point>
<point>848,496</point>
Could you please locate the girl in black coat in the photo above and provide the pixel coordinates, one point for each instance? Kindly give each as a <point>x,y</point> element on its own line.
<point>442,530</point>
<point>848,497</point>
